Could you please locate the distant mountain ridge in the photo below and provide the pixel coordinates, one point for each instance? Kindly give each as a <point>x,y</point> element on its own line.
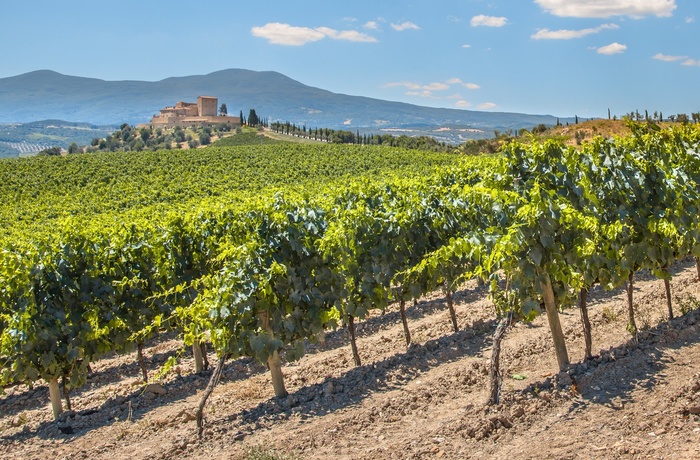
<point>45,94</point>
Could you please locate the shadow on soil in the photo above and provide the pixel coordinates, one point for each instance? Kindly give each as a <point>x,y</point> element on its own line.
<point>316,399</point>
<point>611,378</point>
<point>37,397</point>
<point>631,365</point>
<point>335,393</point>
<point>132,406</point>
<point>392,317</point>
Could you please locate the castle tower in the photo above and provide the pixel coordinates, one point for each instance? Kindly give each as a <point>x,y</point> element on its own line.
<point>207,106</point>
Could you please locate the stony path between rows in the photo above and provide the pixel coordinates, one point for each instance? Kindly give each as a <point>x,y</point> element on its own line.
<point>636,399</point>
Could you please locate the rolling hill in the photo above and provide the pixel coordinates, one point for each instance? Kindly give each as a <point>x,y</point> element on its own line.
<point>46,94</point>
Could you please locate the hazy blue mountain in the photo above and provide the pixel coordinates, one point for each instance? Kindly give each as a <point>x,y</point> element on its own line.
<point>46,94</point>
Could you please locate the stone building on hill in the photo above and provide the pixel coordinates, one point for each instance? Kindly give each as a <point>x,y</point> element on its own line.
<point>201,113</point>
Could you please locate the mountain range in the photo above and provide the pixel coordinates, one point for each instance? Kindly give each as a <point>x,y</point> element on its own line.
<point>45,94</point>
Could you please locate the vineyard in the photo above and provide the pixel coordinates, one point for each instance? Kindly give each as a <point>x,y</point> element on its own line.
<point>336,273</point>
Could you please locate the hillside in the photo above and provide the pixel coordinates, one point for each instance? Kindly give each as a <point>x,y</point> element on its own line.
<point>29,138</point>
<point>577,133</point>
<point>46,94</point>
<point>569,134</point>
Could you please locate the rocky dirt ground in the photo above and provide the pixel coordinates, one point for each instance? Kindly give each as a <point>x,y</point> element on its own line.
<point>639,398</point>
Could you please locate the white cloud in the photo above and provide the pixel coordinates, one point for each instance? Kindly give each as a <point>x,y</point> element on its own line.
<point>689,20</point>
<point>488,21</point>
<point>424,93</point>
<point>667,58</point>
<point>435,86</point>
<point>462,103</point>
<point>691,63</point>
<point>613,48</point>
<point>349,35</point>
<point>466,46</point>
<point>564,34</point>
<point>405,26</point>
<point>371,25</point>
<point>285,34</point>
<point>407,84</point>
<point>433,90</point>
<point>487,106</point>
<point>608,8</point>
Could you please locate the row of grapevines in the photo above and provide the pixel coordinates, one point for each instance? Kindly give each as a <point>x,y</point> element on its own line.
<point>262,277</point>
<point>39,192</point>
<point>106,288</point>
<point>597,215</point>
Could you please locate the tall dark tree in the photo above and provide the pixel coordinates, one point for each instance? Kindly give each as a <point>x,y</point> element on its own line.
<point>253,119</point>
<point>223,110</point>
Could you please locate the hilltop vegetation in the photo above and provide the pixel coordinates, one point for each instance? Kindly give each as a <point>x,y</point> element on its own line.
<point>129,138</point>
<point>33,137</point>
<point>574,135</point>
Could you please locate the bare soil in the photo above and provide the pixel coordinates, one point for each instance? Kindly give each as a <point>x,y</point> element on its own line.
<point>638,398</point>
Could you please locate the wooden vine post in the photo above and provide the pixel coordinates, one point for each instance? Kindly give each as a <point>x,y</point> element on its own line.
<point>554,324</point>
<point>275,365</point>
<point>667,286</point>
<point>406,331</point>
<point>55,397</point>
<point>450,306</point>
<point>631,325</point>
<point>583,308</point>
<point>274,362</point>
<point>669,305</point>
<point>353,340</point>
<point>198,357</point>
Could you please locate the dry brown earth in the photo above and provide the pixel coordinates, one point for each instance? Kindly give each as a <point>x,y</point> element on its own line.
<point>637,399</point>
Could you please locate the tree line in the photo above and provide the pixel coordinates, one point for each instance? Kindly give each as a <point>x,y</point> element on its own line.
<point>340,136</point>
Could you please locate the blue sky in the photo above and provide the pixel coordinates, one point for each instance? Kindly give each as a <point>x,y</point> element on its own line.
<point>558,57</point>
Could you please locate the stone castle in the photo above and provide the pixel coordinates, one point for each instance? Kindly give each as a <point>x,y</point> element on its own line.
<point>201,113</point>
